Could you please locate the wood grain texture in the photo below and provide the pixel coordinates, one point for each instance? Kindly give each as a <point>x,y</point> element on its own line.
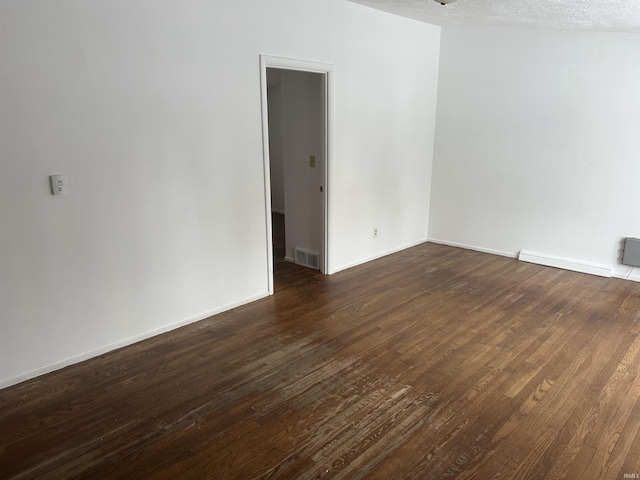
<point>432,363</point>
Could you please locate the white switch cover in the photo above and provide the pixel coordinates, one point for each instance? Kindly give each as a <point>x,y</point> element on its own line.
<point>58,184</point>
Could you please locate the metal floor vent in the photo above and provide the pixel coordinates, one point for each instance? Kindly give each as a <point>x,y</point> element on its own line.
<point>307,259</point>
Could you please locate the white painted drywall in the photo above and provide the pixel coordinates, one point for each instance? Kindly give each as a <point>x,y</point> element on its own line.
<point>537,143</point>
<point>152,110</point>
<point>276,158</point>
<point>302,134</point>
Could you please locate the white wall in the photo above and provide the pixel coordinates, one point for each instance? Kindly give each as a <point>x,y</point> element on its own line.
<point>303,135</point>
<point>152,110</point>
<point>276,158</point>
<point>537,143</point>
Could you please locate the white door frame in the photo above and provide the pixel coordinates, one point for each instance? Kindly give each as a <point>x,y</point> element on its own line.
<point>326,69</point>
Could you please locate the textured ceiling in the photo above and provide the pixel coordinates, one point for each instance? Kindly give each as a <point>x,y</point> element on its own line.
<point>595,15</point>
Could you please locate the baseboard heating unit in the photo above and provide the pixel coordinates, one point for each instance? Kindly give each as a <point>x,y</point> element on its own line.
<point>565,263</point>
<point>631,255</point>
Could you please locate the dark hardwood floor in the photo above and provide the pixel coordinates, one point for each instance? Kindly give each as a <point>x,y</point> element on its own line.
<point>431,363</point>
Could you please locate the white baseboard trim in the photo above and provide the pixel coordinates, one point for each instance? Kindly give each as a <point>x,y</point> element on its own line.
<point>566,264</point>
<point>123,343</point>
<point>477,249</point>
<point>635,277</point>
<point>374,257</point>
<point>289,259</point>
<point>547,260</point>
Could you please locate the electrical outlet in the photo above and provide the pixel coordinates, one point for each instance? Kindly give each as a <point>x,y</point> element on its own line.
<point>375,233</point>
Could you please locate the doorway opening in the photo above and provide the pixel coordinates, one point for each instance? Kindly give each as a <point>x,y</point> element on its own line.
<point>295,114</point>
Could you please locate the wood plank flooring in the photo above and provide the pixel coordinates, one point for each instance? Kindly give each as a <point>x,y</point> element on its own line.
<point>432,363</point>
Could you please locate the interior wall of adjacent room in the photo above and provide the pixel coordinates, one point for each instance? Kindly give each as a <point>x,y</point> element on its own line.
<point>303,136</point>
<point>276,159</point>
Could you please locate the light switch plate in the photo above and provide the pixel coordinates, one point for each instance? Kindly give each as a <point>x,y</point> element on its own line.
<point>312,161</point>
<point>59,185</point>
